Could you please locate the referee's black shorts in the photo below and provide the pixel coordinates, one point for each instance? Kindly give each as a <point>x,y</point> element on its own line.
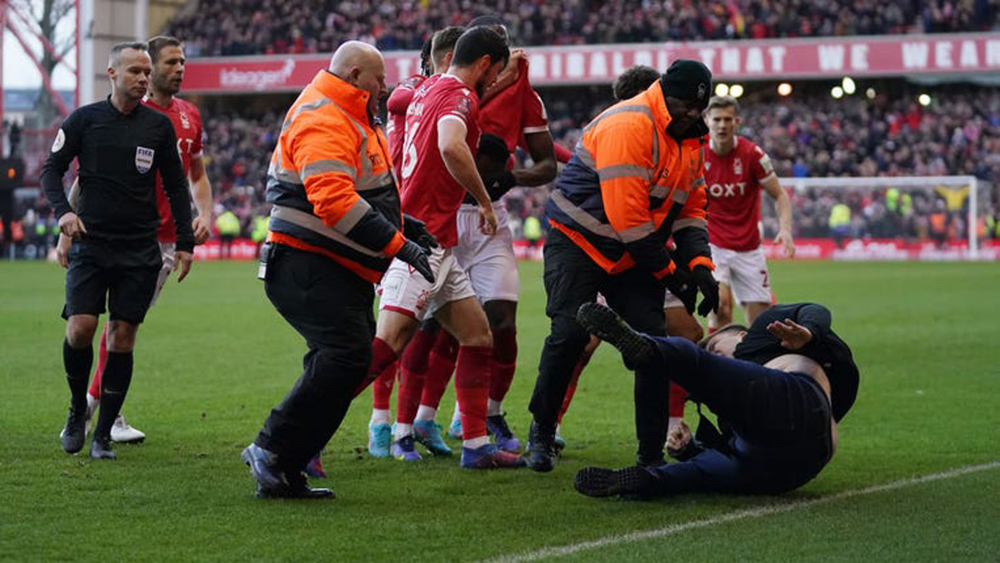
<point>121,274</point>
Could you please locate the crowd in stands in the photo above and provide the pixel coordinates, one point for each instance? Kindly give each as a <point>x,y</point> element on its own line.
<point>249,27</point>
<point>807,135</point>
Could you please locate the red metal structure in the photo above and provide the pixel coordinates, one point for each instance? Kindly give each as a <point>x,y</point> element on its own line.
<point>15,20</point>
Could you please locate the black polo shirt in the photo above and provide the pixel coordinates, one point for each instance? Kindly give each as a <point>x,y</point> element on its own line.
<point>826,348</point>
<point>119,157</point>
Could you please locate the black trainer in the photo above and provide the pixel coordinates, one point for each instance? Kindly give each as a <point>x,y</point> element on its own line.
<point>600,482</point>
<point>604,323</point>
<point>298,487</point>
<point>75,431</point>
<point>541,452</point>
<point>497,427</point>
<point>100,448</point>
<point>263,466</point>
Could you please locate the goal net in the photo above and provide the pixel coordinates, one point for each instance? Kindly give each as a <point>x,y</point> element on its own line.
<point>888,218</point>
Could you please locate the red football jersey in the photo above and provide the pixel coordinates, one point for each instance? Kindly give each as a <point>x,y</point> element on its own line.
<point>734,195</point>
<point>187,126</point>
<point>396,105</point>
<point>429,192</point>
<point>515,111</point>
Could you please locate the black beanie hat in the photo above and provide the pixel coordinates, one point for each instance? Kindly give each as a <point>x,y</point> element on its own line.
<point>688,80</point>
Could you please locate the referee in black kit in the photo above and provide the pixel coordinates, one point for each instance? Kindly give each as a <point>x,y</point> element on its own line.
<point>121,145</point>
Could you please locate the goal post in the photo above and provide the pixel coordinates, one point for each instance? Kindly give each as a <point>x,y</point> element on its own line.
<point>942,212</point>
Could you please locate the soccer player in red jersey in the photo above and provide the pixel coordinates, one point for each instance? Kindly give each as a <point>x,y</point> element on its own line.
<point>515,113</point>
<point>167,54</point>
<point>736,170</point>
<point>438,170</point>
<point>435,59</point>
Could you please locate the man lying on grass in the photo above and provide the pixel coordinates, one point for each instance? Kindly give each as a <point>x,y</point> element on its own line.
<point>778,388</point>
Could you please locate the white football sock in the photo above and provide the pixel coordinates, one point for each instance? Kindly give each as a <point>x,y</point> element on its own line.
<point>476,443</point>
<point>381,416</point>
<point>457,415</point>
<point>493,408</point>
<point>403,430</point>
<point>426,413</point>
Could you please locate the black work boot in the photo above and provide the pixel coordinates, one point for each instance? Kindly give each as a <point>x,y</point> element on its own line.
<point>541,454</point>
<point>603,322</point>
<point>601,482</point>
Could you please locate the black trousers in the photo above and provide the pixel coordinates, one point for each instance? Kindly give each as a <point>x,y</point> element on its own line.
<point>331,307</point>
<point>780,421</point>
<point>572,279</point>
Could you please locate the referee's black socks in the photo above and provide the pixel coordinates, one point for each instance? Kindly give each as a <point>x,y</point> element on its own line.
<point>114,387</point>
<point>78,363</point>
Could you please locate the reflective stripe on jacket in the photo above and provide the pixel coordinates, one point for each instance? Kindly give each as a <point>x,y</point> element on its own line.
<point>331,180</point>
<point>628,180</point>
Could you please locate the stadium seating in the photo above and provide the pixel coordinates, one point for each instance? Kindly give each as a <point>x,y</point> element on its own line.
<point>246,27</point>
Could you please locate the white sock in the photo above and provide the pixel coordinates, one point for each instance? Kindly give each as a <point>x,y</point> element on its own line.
<point>426,413</point>
<point>493,408</point>
<point>476,443</point>
<point>381,416</point>
<point>403,430</point>
<point>457,415</point>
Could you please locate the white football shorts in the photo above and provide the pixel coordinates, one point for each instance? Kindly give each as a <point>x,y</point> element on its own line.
<point>488,260</point>
<point>745,272</point>
<point>405,290</point>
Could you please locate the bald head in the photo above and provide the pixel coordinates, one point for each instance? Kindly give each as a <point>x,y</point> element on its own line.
<point>362,66</point>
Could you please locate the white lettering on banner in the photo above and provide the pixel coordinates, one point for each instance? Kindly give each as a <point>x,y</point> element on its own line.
<point>617,63</point>
<point>538,67</point>
<point>942,54</point>
<point>777,58</point>
<point>970,55</point>
<point>730,61</point>
<point>755,60</point>
<point>555,66</point>
<point>859,56</point>
<point>575,67</point>
<point>256,79</point>
<point>915,55</point>
<point>642,58</point>
<point>403,65</point>
<point>707,57</point>
<point>598,66</point>
<point>662,59</point>
<point>831,57</point>
<point>993,53</point>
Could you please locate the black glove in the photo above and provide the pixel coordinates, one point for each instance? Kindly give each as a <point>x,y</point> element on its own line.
<point>498,184</point>
<point>702,278</point>
<point>681,285</point>
<point>416,256</point>
<point>416,230</point>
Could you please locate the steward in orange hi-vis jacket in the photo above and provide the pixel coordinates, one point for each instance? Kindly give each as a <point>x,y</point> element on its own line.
<point>334,230</point>
<point>635,180</point>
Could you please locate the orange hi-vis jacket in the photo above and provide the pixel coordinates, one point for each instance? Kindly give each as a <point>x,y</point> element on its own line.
<point>331,180</point>
<point>630,186</point>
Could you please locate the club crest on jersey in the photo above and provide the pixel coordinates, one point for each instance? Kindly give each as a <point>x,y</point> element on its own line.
<point>143,159</point>
<point>738,167</point>
<point>185,122</point>
<point>708,166</point>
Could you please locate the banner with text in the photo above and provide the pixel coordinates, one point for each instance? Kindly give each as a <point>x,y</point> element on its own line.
<point>830,57</point>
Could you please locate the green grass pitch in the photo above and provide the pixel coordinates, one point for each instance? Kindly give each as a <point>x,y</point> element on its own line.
<point>214,357</point>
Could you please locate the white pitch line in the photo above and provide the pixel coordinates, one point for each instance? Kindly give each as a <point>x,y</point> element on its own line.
<point>768,510</point>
